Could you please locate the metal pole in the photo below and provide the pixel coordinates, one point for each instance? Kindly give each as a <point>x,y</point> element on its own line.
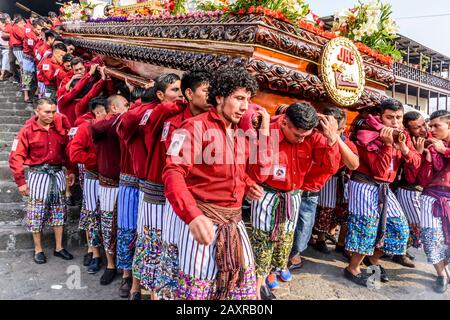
<point>406,93</point>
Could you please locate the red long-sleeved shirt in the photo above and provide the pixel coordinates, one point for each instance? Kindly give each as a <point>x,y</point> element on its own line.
<point>48,71</point>
<point>382,165</point>
<point>67,102</point>
<point>296,159</point>
<point>42,51</point>
<point>222,184</point>
<point>127,130</point>
<point>151,131</point>
<point>320,173</point>
<point>16,36</point>
<point>82,149</point>
<point>429,177</point>
<point>29,42</point>
<point>35,145</point>
<point>107,146</point>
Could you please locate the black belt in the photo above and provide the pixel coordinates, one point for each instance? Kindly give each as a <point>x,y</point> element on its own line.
<point>308,194</point>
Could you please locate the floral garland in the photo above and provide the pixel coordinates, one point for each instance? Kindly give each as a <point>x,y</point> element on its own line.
<point>76,11</point>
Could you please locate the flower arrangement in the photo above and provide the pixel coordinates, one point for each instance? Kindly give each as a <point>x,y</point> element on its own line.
<point>371,25</point>
<point>77,11</point>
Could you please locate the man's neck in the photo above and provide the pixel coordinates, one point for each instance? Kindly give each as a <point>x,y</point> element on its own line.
<point>195,111</point>
<point>43,125</point>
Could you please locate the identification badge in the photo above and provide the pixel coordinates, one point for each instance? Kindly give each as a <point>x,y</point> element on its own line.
<point>279,172</point>
<point>145,117</point>
<point>56,72</point>
<point>27,30</point>
<point>391,166</point>
<point>14,145</point>
<point>30,42</point>
<point>72,131</point>
<point>165,131</point>
<point>176,144</point>
<point>45,67</point>
<point>48,94</point>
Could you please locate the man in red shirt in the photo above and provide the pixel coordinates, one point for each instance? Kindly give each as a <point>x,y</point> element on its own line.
<point>408,194</point>
<point>377,224</point>
<point>332,204</point>
<point>32,35</point>
<point>107,146</point>
<point>274,217</point>
<point>4,50</point>
<point>41,144</point>
<point>434,176</point>
<point>194,86</point>
<point>42,50</point>
<point>205,183</point>
<point>49,69</point>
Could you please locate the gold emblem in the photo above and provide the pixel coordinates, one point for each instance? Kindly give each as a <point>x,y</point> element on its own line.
<point>342,71</point>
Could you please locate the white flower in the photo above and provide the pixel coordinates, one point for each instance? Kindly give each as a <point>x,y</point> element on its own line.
<point>391,27</point>
<point>373,5</point>
<point>358,33</point>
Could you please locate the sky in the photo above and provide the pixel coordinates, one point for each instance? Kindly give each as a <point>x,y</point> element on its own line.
<point>433,32</point>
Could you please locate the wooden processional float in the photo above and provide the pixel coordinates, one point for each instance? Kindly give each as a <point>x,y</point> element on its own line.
<point>290,64</point>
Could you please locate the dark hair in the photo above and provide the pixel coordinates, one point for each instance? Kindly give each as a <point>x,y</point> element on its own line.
<point>390,104</point>
<point>161,84</point>
<point>59,46</point>
<point>48,20</point>
<point>68,42</point>
<point>38,22</point>
<point>440,113</point>
<point>227,81</point>
<point>18,19</point>
<point>194,79</point>
<point>410,116</point>
<point>17,16</point>
<point>44,100</point>
<point>76,61</point>
<point>52,14</point>
<point>50,34</point>
<point>339,114</point>
<point>68,57</point>
<point>98,101</point>
<point>302,115</point>
<point>3,20</point>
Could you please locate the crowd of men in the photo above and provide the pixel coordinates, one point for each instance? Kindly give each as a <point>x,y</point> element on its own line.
<point>167,170</point>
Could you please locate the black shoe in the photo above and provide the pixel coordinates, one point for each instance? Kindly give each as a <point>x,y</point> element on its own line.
<point>359,279</point>
<point>125,287</point>
<point>266,294</point>
<point>296,266</point>
<point>135,296</point>
<point>383,274</point>
<point>441,284</point>
<point>108,276</point>
<point>95,265</point>
<point>321,246</point>
<point>339,248</point>
<point>403,260</point>
<point>87,259</point>
<point>64,254</point>
<point>40,258</point>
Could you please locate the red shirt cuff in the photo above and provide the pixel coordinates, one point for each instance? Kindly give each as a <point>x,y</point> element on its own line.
<point>193,213</point>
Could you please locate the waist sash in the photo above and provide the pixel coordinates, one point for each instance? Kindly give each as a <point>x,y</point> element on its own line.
<point>53,192</point>
<point>153,192</point>
<point>229,249</point>
<point>282,210</point>
<point>441,208</point>
<point>108,182</point>
<point>129,180</point>
<point>90,175</point>
<point>383,190</point>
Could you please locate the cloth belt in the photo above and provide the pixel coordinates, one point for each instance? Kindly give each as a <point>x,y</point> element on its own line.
<point>307,194</point>
<point>108,182</point>
<point>229,249</point>
<point>441,208</point>
<point>90,175</point>
<point>340,187</point>
<point>153,192</point>
<point>53,192</point>
<point>129,180</point>
<point>383,190</point>
<point>282,210</point>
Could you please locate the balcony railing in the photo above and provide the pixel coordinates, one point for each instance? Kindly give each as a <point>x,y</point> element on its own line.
<point>407,72</point>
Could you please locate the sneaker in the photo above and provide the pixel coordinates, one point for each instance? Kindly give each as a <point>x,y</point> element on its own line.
<point>87,259</point>
<point>285,275</point>
<point>108,276</point>
<point>266,294</point>
<point>321,246</point>
<point>271,282</point>
<point>441,284</point>
<point>95,265</point>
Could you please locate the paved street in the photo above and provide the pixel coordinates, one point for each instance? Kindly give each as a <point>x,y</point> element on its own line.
<point>321,278</point>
